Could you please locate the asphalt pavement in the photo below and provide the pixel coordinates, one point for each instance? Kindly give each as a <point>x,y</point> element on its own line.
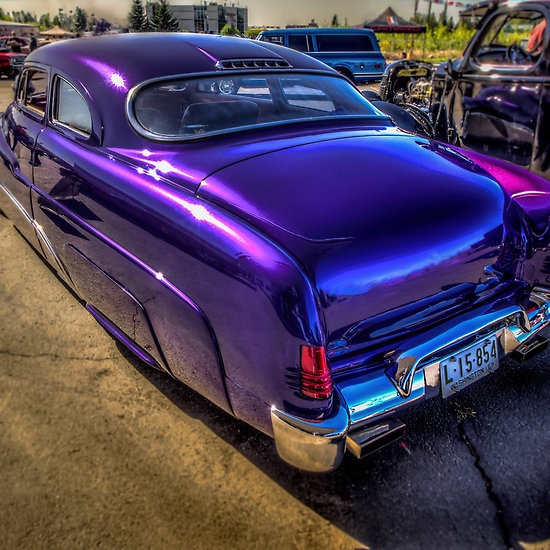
<point>98,450</point>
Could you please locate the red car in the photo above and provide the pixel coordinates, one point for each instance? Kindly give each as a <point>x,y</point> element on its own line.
<point>11,62</point>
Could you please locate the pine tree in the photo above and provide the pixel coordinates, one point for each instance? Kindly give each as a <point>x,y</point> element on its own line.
<point>80,20</point>
<point>137,21</point>
<point>162,19</point>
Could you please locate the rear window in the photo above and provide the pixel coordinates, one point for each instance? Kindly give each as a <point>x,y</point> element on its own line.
<point>344,43</point>
<point>187,108</point>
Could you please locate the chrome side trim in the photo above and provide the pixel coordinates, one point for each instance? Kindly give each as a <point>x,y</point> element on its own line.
<point>51,253</point>
<point>16,203</point>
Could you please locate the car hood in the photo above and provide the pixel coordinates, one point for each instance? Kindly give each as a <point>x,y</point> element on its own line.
<point>376,221</point>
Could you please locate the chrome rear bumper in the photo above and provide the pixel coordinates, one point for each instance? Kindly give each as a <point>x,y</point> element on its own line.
<point>365,405</point>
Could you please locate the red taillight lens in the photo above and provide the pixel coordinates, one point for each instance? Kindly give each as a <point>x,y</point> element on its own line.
<point>315,377</point>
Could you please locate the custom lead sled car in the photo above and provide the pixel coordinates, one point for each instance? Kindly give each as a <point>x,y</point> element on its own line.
<point>240,216</point>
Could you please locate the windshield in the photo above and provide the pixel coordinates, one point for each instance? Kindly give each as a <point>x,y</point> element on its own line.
<point>194,107</point>
<point>514,39</point>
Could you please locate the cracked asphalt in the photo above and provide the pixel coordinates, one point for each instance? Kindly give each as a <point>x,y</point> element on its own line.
<point>96,449</point>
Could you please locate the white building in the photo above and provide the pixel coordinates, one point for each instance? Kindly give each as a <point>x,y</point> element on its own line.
<point>209,18</point>
<point>20,29</point>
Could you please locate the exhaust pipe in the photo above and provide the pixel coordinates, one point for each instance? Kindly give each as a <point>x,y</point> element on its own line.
<point>529,349</point>
<point>372,438</point>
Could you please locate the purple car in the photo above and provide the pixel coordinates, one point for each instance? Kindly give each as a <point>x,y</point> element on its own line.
<point>241,217</point>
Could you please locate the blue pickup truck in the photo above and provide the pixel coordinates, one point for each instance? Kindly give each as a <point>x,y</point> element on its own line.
<point>353,52</point>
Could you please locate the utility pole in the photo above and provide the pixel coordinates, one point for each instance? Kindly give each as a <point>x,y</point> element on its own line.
<point>415,20</point>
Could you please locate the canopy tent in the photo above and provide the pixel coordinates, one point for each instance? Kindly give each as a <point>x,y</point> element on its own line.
<point>389,21</point>
<point>56,32</point>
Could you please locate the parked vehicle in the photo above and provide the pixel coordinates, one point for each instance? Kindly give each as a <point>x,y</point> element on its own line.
<point>355,53</point>
<point>10,62</point>
<point>240,216</point>
<point>24,43</point>
<point>496,98</point>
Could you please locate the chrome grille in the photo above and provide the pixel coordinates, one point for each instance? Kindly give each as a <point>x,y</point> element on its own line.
<point>17,61</point>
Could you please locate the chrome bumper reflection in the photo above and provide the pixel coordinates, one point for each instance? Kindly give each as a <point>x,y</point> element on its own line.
<point>370,399</point>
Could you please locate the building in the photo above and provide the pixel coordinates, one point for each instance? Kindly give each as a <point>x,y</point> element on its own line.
<point>209,18</point>
<point>20,29</point>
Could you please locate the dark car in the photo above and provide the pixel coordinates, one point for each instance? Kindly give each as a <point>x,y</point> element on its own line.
<point>241,217</point>
<point>496,98</point>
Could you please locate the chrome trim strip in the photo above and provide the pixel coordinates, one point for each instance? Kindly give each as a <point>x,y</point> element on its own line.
<point>16,203</point>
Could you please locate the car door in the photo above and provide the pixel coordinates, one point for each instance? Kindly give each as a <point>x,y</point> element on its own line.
<point>101,239</point>
<point>22,123</point>
<point>499,86</point>
<point>72,229</point>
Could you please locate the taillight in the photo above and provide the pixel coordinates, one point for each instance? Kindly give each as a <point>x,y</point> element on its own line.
<point>315,376</point>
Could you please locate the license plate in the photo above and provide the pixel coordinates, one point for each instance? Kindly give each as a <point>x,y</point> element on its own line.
<point>468,365</point>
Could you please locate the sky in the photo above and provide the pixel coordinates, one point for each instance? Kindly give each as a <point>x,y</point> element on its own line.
<point>260,12</point>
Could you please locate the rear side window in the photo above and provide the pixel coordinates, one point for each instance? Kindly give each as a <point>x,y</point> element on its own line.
<point>32,91</point>
<point>344,43</point>
<point>70,108</point>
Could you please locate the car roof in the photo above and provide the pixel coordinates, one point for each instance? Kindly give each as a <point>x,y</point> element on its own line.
<point>318,30</point>
<point>137,57</point>
<point>479,9</point>
<point>107,68</point>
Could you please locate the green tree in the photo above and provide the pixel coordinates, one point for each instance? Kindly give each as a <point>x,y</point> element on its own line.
<point>80,20</point>
<point>252,33</point>
<point>229,30</point>
<point>335,21</point>
<point>137,20</point>
<point>45,21</point>
<point>163,20</point>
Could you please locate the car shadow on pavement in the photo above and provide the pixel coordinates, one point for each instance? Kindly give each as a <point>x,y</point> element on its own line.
<point>458,479</point>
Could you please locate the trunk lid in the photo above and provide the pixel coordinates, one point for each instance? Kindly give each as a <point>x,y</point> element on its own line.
<point>380,223</point>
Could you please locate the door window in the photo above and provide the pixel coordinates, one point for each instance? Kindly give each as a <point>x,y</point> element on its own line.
<point>70,108</point>
<point>32,91</point>
<point>299,42</point>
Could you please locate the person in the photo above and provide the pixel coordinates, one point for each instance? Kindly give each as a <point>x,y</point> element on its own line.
<point>14,43</point>
<point>33,43</point>
<point>536,38</point>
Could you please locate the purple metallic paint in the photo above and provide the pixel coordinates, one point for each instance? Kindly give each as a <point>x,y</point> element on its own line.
<point>392,240</point>
<point>218,258</point>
